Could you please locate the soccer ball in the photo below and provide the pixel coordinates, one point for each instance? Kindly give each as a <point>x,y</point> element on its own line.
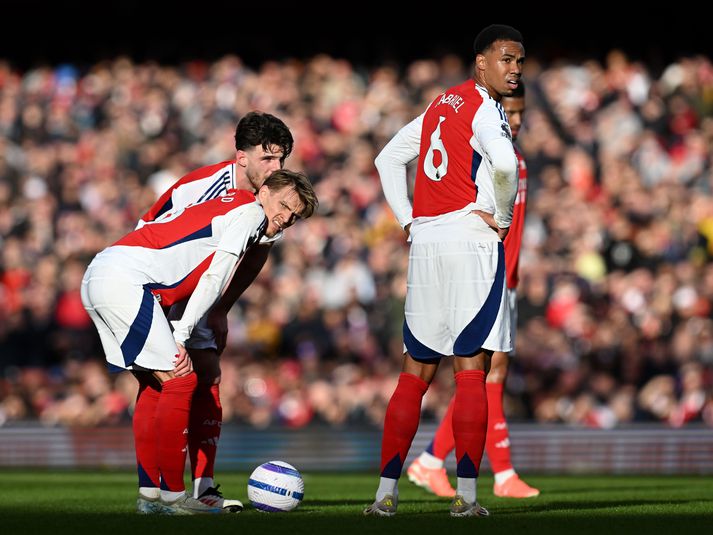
<point>275,486</point>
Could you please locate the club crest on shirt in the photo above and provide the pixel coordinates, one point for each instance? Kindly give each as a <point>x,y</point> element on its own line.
<point>506,130</point>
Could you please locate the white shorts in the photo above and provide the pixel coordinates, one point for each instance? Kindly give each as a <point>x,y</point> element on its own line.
<point>202,336</point>
<point>132,327</point>
<point>512,306</point>
<point>455,301</point>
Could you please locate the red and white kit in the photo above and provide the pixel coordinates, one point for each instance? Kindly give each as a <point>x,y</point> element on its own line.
<point>456,279</point>
<point>187,252</point>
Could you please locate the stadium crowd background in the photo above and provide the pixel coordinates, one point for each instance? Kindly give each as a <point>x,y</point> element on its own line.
<point>616,306</point>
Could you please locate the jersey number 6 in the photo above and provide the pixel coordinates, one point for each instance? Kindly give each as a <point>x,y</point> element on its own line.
<point>436,173</point>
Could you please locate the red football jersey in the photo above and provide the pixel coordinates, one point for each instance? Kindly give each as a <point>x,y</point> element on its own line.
<point>513,240</point>
<point>455,128</point>
<point>198,186</point>
<point>174,251</point>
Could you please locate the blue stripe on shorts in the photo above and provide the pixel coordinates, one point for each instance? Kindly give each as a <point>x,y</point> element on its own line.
<point>139,330</point>
<point>471,339</point>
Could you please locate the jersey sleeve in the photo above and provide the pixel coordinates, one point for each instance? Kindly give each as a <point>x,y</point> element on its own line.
<point>489,123</point>
<point>492,132</point>
<point>391,164</point>
<point>243,226</point>
<point>207,291</point>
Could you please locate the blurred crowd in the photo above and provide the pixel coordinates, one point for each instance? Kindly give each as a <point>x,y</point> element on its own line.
<point>616,295</point>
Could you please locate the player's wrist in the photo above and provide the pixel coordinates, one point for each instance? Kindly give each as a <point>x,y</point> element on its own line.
<point>502,222</point>
<point>220,309</point>
<point>179,335</point>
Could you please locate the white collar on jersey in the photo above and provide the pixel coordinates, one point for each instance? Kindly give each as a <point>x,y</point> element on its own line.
<point>482,89</point>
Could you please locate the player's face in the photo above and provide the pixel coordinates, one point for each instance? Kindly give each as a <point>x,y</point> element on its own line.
<point>500,67</point>
<point>282,208</point>
<point>260,163</point>
<point>514,108</point>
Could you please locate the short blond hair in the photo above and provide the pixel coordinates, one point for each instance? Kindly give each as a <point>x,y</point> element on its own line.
<point>284,178</point>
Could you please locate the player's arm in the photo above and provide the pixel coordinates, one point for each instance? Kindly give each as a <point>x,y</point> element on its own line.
<point>391,164</point>
<point>242,227</point>
<point>246,272</point>
<point>493,132</point>
<point>207,291</point>
<point>504,163</point>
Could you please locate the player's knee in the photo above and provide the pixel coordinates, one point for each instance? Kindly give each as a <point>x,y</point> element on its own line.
<point>423,370</point>
<point>498,368</point>
<point>206,364</point>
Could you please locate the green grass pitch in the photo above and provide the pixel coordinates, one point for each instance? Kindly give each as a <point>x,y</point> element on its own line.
<point>103,503</point>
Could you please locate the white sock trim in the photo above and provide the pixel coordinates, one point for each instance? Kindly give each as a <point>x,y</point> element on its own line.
<point>171,496</point>
<point>150,492</point>
<point>430,461</point>
<point>387,486</point>
<point>502,477</point>
<point>467,487</point>
<point>200,484</point>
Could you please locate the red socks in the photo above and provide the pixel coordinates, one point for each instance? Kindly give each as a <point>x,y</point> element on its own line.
<point>470,419</point>
<point>401,423</point>
<point>172,414</point>
<point>145,435</point>
<point>204,429</point>
<point>497,442</point>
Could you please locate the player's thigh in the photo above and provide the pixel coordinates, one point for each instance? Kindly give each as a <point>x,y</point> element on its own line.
<point>471,270</point>
<point>110,345</point>
<point>105,296</point>
<point>159,351</point>
<point>478,312</point>
<point>134,318</point>
<point>425,314</point>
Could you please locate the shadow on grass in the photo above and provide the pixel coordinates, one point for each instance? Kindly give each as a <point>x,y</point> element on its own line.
<point>598,489</point>
<point>331,503</point>
<point>350,522</point>
<point>560,518</point>
<point>551,507</point>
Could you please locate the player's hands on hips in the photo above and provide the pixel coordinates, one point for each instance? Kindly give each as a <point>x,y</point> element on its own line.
<point>218,323</point>
<point>183,364</point>
<point>490,221</point>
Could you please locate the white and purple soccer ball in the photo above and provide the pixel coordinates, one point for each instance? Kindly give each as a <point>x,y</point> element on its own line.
<point>275,487</point>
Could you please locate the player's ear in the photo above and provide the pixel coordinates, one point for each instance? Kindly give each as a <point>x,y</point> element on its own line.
<point>263,193</point>
<point>480,61</point>
<point>241,157</point>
